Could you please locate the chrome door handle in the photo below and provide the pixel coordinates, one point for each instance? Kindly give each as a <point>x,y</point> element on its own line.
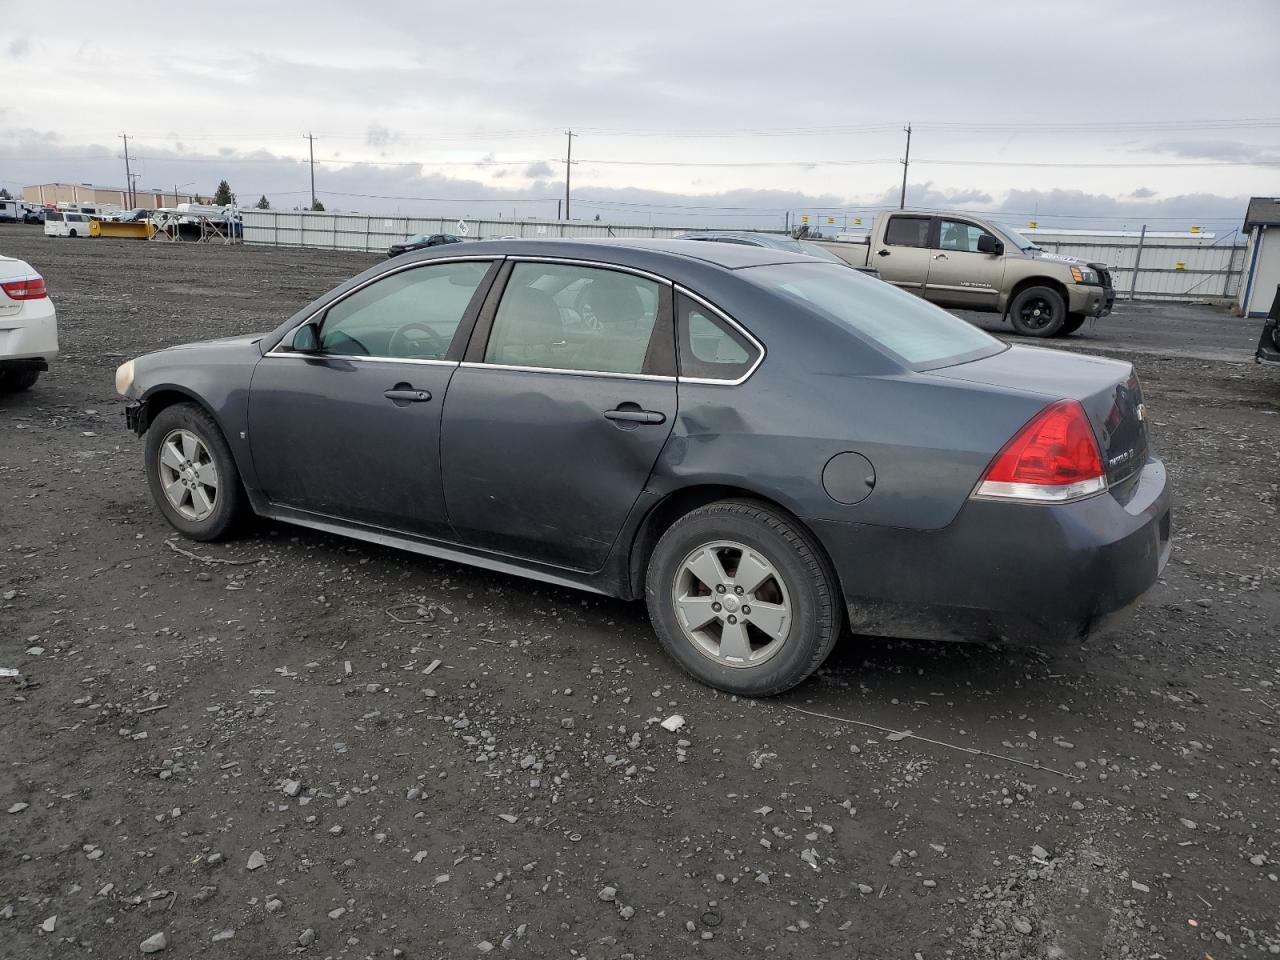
<point>939,256</point>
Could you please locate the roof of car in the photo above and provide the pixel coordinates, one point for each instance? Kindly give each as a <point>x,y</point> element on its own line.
<point>628,251</point>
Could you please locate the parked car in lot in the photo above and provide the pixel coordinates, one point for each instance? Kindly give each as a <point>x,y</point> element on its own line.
<point>762,445</point>
<point>420,242</point>
<point>962,261</point>
<point>66,223</point>
<point>28,326</point>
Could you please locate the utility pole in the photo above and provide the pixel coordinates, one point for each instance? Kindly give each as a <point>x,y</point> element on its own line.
<point>128,177</point>
<point>906,162</point>
<point>311,150</point>
<point>568,163</point>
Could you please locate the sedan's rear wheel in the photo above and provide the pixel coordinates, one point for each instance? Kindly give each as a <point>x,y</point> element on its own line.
<point>742,598</point>
<point>1038,312</point>
<point>17,380</point>
<point>191,473</point>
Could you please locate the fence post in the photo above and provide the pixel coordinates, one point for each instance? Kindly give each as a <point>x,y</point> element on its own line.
<point>1137,259</point>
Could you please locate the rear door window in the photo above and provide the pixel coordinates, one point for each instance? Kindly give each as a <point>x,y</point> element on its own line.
<point>907,232</point>
<point>709,347</point>
<point>559,316</point>
<point>53,216</point>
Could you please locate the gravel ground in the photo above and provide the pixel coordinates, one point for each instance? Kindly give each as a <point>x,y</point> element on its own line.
<point>295,744</point>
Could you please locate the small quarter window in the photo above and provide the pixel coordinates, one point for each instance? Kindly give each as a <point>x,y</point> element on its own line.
<point>710,349</point>
<point>907,232</point>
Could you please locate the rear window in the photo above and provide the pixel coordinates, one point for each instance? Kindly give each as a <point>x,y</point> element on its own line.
<point>916,332</point>
<point>907,232</point>
<point>54,215</point>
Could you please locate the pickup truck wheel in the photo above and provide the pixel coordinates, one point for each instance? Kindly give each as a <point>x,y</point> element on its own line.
<point>16,381</point>
<point>1038,312</point>
<point>742,598</point>
<point>1074,323</point>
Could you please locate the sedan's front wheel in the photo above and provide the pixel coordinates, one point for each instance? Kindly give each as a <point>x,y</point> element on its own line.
<point>191,473</point>
<point>742,598</point>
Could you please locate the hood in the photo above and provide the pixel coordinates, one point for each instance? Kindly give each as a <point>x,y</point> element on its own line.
<point>221,342</point>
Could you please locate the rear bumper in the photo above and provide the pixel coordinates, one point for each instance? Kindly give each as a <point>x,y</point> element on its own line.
<point>31,334</point>
<point>1015,573</point>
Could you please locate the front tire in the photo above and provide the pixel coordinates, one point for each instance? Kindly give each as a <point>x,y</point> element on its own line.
<point>1038,312</point>
<point>191,473</point>
<point>1074,322</point>
<point>743,598</point>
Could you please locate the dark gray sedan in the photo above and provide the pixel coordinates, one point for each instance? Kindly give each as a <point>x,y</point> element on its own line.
<point>765,447</point>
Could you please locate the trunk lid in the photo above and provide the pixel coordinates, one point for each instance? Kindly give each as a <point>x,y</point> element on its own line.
<point>1107,389</point>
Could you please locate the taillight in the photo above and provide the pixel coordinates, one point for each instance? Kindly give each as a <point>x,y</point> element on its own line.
<point>25,289</point>
<point>1053,458</point>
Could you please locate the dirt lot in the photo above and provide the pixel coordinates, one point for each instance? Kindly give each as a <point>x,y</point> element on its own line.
<point>182,719</point>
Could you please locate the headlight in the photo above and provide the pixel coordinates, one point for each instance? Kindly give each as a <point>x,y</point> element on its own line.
<point>1083,275</point>
<point>124,377</point>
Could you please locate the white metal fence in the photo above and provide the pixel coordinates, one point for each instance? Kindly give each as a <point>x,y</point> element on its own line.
<point>1168,267</point>
<point>373,234</point>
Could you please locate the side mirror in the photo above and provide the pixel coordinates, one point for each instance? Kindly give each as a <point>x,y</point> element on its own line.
<point>989,244</point>
<point>306,339</point>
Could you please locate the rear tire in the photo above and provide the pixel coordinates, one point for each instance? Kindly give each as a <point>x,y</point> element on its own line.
<point>191,473</point>
<point>1074,322</point>
<point>71,233</point>
<point>15,381</point>
<point>777,610</point>
<point>1038,312</point>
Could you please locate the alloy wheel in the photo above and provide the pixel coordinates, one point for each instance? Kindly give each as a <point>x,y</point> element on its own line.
<point>732,603</point>
<point>188,475</point>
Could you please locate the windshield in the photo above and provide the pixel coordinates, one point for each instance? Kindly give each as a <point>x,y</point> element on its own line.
<point>1021,242</point>
<point>417,238</point>
<point>916,332</point>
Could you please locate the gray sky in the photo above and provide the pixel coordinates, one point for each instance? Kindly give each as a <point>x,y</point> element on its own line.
<point>708,112</point>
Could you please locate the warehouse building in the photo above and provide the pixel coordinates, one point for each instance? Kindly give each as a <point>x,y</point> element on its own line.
<point>86,194</point>
<point>1262,259</point>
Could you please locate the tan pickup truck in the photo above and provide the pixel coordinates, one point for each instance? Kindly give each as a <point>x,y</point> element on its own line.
<point>969,263</point>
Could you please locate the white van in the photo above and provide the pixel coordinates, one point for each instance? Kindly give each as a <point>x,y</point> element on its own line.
<point>66,223</point>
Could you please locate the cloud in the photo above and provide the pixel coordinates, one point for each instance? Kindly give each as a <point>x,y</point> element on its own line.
<point>1226,150</point>
<point>1142,193</point>
<point>539,171</point>
<point>19,47</point>
<point>379,137</point>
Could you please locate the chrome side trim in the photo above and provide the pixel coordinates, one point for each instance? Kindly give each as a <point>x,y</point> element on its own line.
<point>563,371</point>
<point>294,355</point>
<point>598,264</point>
<point>736,326</point>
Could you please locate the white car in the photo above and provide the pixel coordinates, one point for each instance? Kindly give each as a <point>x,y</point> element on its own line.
<point>67,223</point>
<point>28,326</point>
